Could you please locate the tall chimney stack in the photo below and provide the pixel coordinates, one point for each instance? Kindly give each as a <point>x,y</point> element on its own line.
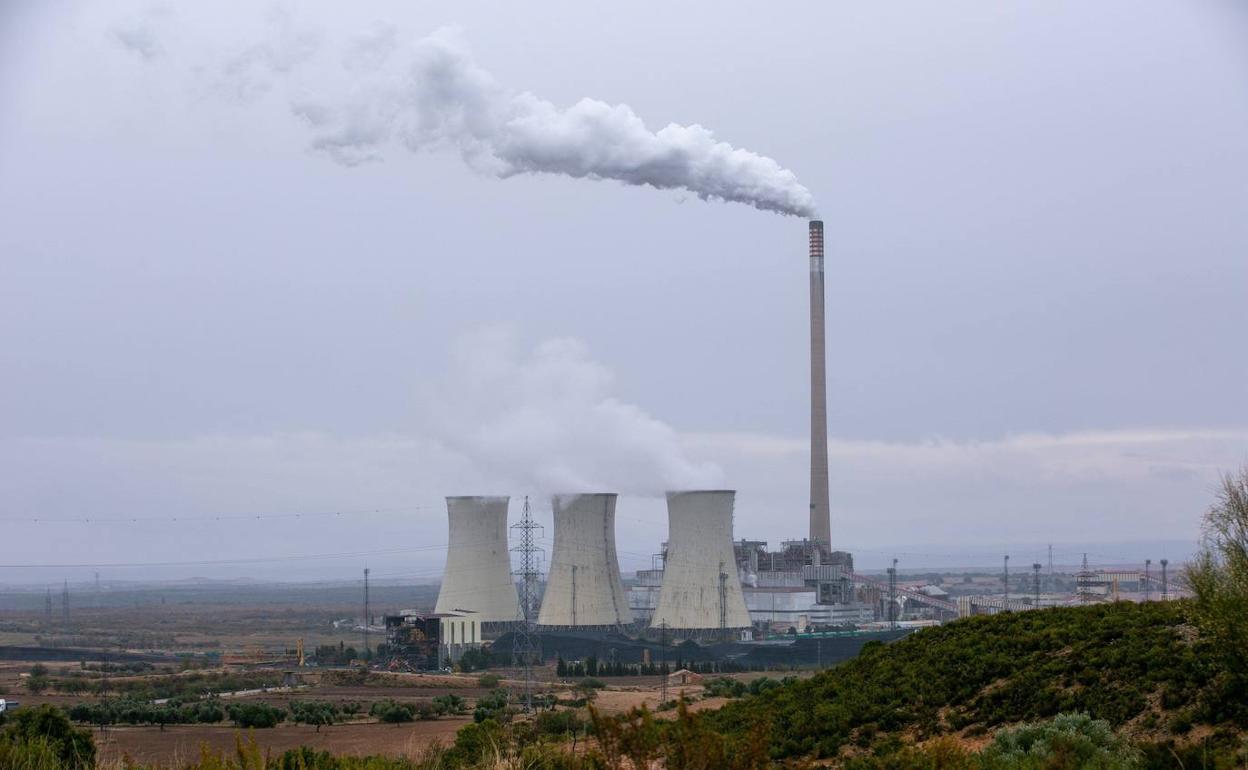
<point>820,512</point>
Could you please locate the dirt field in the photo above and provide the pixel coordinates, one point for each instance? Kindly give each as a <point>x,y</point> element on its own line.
<point>178,742</point>
<point>272,621</point>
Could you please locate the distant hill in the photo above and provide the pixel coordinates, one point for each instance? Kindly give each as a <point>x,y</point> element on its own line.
<point>1138,666</point>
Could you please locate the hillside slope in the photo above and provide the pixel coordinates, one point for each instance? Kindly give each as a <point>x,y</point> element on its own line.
<point>1139,666</point>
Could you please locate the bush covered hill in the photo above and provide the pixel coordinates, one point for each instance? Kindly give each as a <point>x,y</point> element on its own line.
<point>1139,667</point>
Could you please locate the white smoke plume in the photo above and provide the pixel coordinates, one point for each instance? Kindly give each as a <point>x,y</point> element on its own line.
<point>433,94</point>
<point>384,91</point>
<point>544,418</point>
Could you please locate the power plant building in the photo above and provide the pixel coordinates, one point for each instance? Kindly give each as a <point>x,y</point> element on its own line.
<point>701,590</point>
<point>583,588</point>
<point>477,581</point>
<point>708,586</point>
<point>804,583</point>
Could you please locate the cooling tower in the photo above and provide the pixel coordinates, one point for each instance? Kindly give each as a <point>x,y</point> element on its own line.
<point>583,588</point>
<point>820,513</point>
<point>478,565</point>
<point>701,592</point>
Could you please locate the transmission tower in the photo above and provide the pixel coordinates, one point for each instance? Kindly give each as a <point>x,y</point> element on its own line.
<point>1036,569</point>
<point>723,602</point>
<point>663,672</point>
<point>367,612</point>
<point>892,596</point>
<point>1165,583</point>
<point>1148,579</point>
<point>525,642</point>
<point>65,602</point>
<point>1005,603</point>
<point>47,605</point>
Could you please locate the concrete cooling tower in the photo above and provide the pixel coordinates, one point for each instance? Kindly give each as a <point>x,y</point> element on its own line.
<point>701,594</point>
<point>478,565</point>
<point>583,589</point>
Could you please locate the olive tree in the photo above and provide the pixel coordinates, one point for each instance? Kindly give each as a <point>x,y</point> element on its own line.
<point>1218,576</point>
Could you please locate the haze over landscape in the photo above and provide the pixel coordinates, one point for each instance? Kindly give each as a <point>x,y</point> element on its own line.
<point>235,288</point>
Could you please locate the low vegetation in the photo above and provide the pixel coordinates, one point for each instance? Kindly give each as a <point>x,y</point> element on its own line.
<point>150,687</point>
<point>255,714</point>
<point>315,712</point>
<point>1122,663</point>
<point>126,711</point>
<point>724,687</point>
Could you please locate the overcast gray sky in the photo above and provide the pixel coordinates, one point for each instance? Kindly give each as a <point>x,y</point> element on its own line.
<point>1037,267</point>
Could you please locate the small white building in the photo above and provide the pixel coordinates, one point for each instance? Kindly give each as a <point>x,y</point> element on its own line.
<point>458,632</point>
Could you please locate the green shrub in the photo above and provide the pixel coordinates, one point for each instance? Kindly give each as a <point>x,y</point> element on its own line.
<point>559,723</point>
<point>476,742</point>
<point>763,684</point>
<point>489,681</point>
<point>260,715</point>
<point>393,712</point>
<point>492,707</point>
<point>32,737</point>
<point>315,712</point>
<point>1180,723</point>
<point>1067,742</point>
<point>723,687</point>
<point>449,704</point>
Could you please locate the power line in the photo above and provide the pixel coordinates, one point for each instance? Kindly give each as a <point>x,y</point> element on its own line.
<point>892,596</point>
<point>367,617</point>
<point>211,562</point>
<point>206,517</point>
<point>1005,603</point>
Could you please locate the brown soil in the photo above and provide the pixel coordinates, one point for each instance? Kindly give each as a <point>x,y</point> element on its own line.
<point>179,743</point>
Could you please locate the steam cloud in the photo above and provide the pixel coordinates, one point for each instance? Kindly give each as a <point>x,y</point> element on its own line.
<point>430,94</point>
<point>544,418</point>
<point>433,94</point>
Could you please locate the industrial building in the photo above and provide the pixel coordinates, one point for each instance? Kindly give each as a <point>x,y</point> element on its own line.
<point>802,584</point>
<point>707,587</point>
<point>799,586</point>
<point>583,587</point>
<point>413,640</point>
